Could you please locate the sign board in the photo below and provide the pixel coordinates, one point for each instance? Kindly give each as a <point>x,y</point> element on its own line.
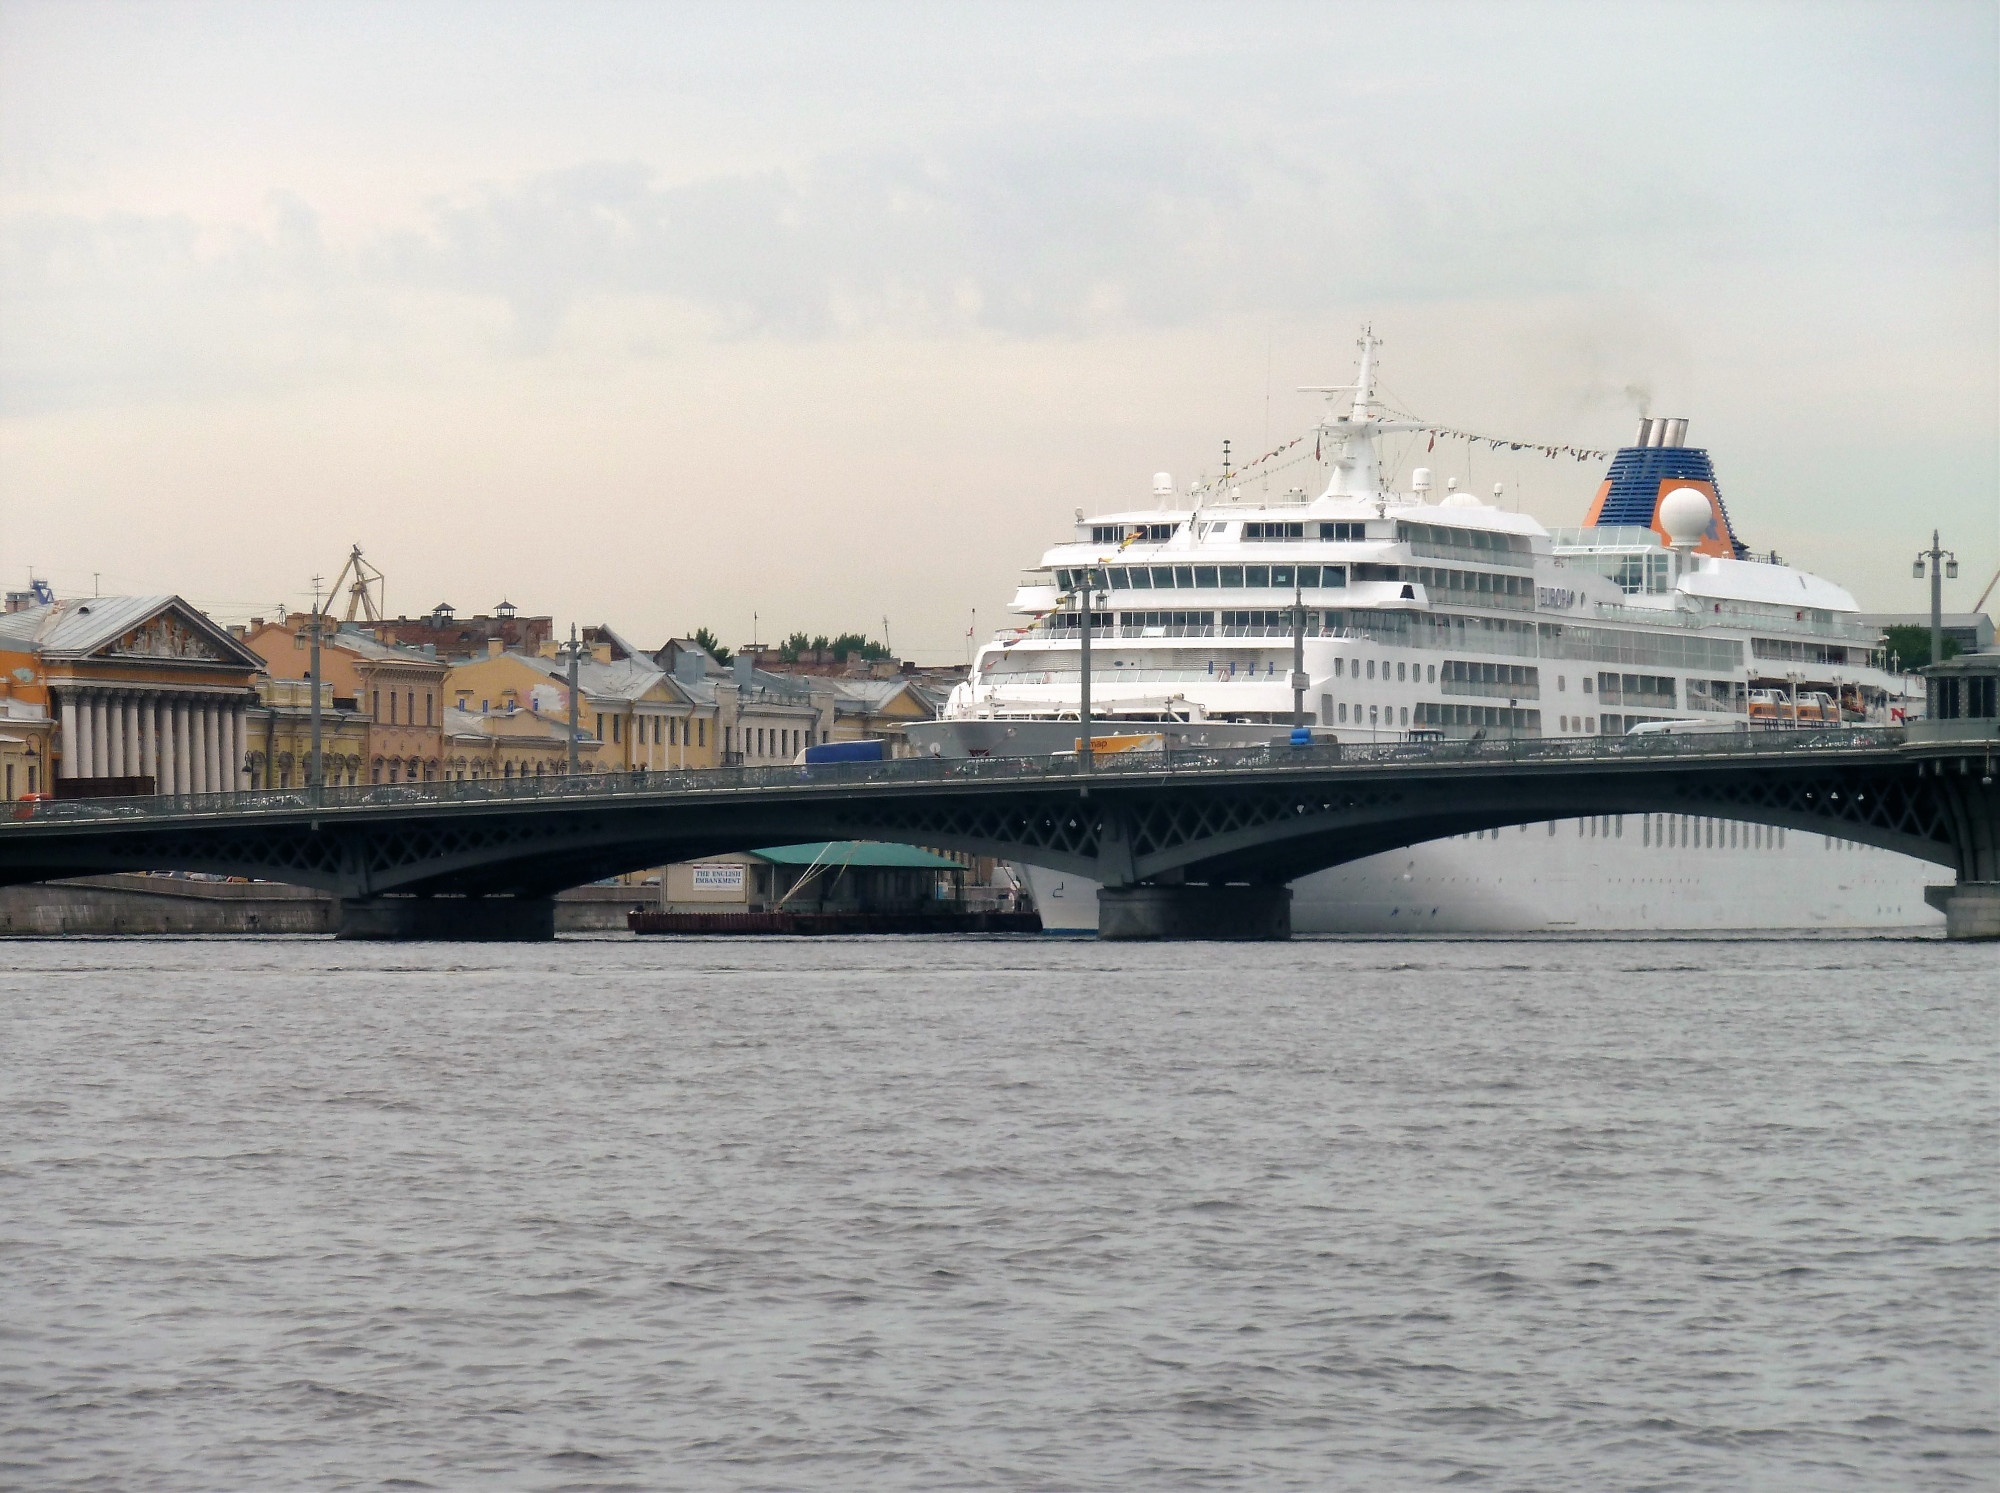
<point>550,699</point>
<point>715,877</point>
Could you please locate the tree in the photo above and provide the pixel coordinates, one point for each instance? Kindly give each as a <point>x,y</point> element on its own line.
<point>1910,647</point>
<point>703,638</point>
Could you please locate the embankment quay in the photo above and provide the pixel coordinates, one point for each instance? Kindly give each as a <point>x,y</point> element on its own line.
<point>1188,845</point>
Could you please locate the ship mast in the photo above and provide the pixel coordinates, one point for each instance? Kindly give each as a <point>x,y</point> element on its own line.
<point>1357,471</point>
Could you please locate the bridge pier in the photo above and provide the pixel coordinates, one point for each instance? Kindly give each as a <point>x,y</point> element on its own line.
<point>1192,911</point>
<point>1971,908</point>
<point>449,919</point>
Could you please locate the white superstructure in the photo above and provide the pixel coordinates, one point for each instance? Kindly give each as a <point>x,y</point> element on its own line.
<point>1378,613</point>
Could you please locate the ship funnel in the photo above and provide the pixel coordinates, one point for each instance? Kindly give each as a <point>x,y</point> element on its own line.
<point>1676,433</point>
<point>1658,436</point>
<point>1645,435</point>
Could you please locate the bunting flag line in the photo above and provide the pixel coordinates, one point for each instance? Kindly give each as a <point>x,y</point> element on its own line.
<point>1494,443</point>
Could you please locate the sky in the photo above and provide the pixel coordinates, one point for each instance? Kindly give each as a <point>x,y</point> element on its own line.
<point>830,316</point>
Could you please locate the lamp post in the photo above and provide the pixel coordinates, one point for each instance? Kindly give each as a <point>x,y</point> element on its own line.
<point>570,651</point>
<point>1089,599</point>
<point>1944,567</point>
<point>309,637</point>
<point>1300,682</point>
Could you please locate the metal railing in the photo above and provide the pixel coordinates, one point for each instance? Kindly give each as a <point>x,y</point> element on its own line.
<point>1277,757</point>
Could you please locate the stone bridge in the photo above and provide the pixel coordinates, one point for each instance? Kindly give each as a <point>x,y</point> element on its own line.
<point>1196,844</point>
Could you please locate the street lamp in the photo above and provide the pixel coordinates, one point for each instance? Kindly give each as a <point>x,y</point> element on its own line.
<point>571,650</point>
<point>1944,567</point>
<point>1089,599</point>
<point>309,637</point>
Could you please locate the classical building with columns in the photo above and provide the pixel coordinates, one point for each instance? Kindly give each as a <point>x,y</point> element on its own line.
<point>137,687</point>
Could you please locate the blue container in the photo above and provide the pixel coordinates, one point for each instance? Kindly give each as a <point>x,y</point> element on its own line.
<point>1302,736</point>
<point>848,751</point>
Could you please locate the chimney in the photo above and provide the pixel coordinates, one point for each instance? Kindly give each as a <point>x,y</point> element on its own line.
<point>690,667</point>
<point>745,664</point>
<point>495,647</point>
<point>1645,435</point>
<point>1659,433</point>
<point>1676,433</point>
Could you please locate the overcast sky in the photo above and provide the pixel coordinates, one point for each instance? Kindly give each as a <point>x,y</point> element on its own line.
<point>664,315</point>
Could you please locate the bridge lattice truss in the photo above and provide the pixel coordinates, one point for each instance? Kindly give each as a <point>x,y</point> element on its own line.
<point>1248,826</point>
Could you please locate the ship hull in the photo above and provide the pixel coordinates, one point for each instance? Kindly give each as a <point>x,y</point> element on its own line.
<point>1572,876</point>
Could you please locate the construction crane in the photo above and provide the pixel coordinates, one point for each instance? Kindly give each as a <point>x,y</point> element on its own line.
<point>364,591</point>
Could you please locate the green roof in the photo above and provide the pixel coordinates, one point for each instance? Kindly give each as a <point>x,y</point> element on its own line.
<point>858,853</point>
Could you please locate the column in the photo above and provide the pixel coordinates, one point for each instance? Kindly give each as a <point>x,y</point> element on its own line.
<point>163,734</point>
<point>183,758</point>
<point>148,746</point>
<point>232,750</point>
<point>218,747</point>
<point>239,776</point>
<point>114,749</point>
<point>100,756</point>
<point>128,735</point>
<point>70,745</point>
<point>205,754</point>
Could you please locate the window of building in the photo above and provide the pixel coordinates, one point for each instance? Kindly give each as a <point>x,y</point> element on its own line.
<point>614,728</point>
<point>10,780</point>
<point>411,697</point>
<point>600,725</point>
<point>701,733</point>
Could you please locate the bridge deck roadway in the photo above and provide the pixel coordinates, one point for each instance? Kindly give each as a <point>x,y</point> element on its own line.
<point>1258,816</point>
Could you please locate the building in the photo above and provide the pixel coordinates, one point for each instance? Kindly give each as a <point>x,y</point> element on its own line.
<point>638,718</point>
<point>457,638</point>
<point>27,738</point>
<point>279,752</point>
<point>1972,631</point>
<point>142,689</point>
<point>835,876</point>
<point>399,690</point>
<point>512,743</point>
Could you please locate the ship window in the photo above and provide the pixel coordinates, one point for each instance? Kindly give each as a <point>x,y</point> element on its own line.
<point>1434,674</point>
<point>1281,575</point>
<point>1163,577</point>
<point>1401,674</point>
<point>1256,575</point>
<point>1371,668</point>
<point>1339,667</point>
<point>1204,577</point>
<point>1142,578</point>
<point>1343,715</point>
<point>1232,575</point>
<point>1106,534</point>
<point>1118,581</point>
<point>1343,532</point>
<point>1586,684</point>
<point>1184,577</point>
<point>1406,715</point>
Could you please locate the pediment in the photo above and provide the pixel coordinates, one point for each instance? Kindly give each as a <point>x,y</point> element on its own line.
<point>179,634</point>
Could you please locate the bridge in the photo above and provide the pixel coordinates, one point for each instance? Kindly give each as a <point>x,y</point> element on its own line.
<point>1191,844</point>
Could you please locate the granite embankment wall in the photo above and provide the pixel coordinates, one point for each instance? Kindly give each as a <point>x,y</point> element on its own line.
<point>164,904</point>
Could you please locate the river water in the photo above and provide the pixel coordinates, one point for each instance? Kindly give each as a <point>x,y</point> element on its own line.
<point>1007,1213</point>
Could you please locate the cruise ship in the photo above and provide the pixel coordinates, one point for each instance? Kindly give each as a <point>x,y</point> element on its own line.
<point>1378,614</point>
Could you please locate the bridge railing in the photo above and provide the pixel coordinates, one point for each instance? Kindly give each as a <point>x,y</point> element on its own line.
<point>1279,756</point>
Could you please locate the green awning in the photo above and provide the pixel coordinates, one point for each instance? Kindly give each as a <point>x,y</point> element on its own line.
<point>858,853</point>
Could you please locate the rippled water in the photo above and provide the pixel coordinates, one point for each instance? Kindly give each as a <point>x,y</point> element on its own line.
<point>914,1213</point>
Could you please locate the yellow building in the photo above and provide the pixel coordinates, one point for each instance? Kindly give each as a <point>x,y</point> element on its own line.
<point>637,716</point>
<point>397,689</point>
<point>512,743</point>
<point>280,736</point>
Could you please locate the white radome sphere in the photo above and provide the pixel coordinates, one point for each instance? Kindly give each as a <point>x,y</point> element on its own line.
<point>1685,516</point>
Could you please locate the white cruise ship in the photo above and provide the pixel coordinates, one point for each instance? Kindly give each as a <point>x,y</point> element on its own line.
<point>1219,617</point>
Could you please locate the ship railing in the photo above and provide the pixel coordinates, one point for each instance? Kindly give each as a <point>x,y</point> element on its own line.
<point>1279,756</point>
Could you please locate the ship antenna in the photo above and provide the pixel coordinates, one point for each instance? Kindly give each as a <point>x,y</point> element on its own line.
<point>1364,386</point>
<point>1225,460</point>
